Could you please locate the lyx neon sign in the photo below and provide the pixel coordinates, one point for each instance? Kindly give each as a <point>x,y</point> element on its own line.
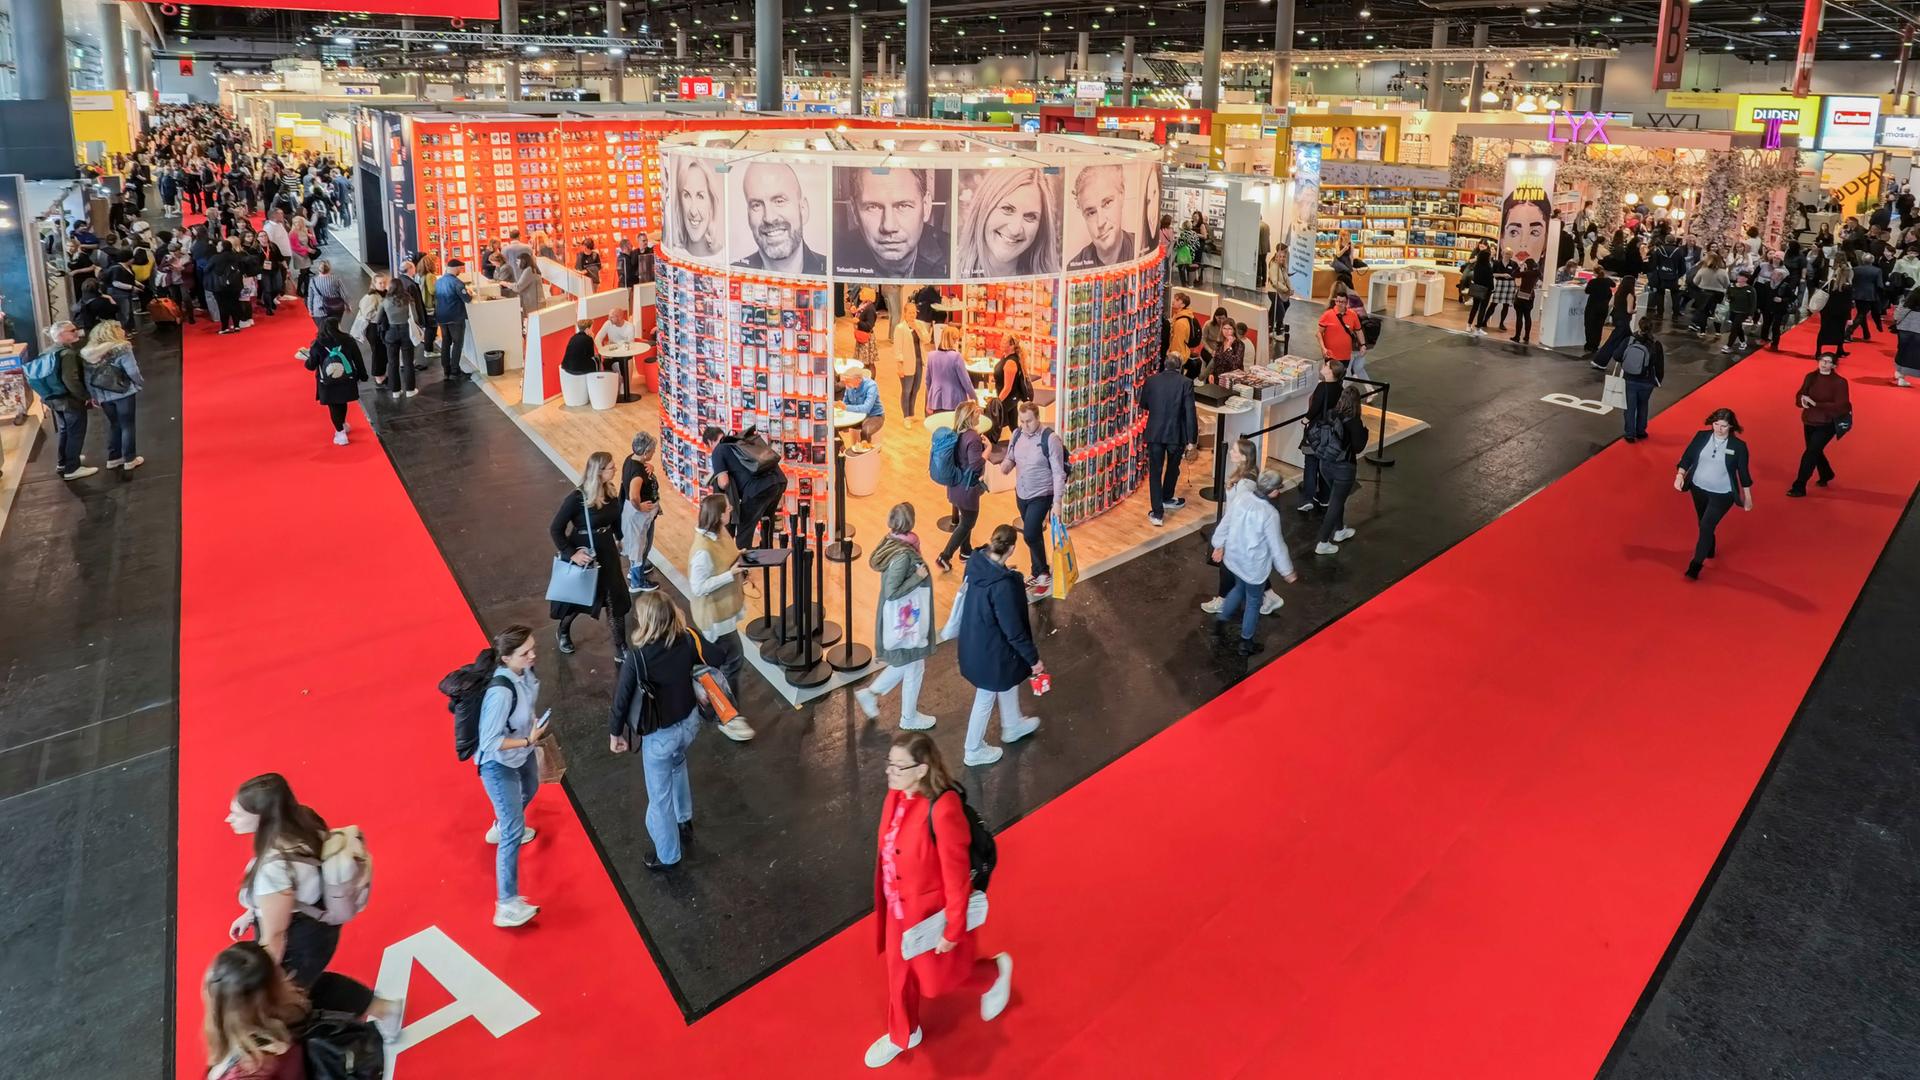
<point>1585,128</point>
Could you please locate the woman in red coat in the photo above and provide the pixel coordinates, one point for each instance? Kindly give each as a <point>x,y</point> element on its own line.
<point>924,868</point>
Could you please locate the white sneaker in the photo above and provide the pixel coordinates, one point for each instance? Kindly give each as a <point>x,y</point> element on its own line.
<point>1324,548</point>
<point>994,1001</point>
<point>514,912</point>
<point>917,722</point>
<point>986,755</point>
<point>737,729</point>
<point>114,463</point>
<point>868,703</point>
<point>246,323</point>
<point>883,1051</point>
<point>1271,603</point>
<point>1019,729</point>
<point>526,834</point>
<point>82,471</point>
<point>413,393</point>
<point>339,438</point>
<point>1213,606</point>
<point>1341,536</point>
<point>132,463</point>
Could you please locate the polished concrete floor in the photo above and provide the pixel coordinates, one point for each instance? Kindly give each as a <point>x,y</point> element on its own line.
<point>1800,959</point>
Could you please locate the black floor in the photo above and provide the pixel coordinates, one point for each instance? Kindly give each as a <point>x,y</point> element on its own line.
<point>89,584</point>
<point>784,833</point>
<point>1800,962</point>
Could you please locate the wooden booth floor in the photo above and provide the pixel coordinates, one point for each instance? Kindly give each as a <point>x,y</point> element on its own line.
<point>569,435</point>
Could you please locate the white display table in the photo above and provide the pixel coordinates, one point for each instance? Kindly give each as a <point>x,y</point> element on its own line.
<point>1433,292</point>
<point>1245,415</point>
<point>603,389</point>
<point>1392,290</point>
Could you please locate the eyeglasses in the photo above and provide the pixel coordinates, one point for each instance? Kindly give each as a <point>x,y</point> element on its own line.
<point>894,766</point>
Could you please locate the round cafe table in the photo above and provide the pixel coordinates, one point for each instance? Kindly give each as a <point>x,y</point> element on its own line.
<point>622,356</point>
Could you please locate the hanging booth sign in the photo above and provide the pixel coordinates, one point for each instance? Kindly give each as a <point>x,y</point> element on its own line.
<point>1527,223</point>
<point>1670,47</point>
<point>1848,123</point>
<point>695,86</point>
<point>1809,39</point>
<point>1777,114</point>
<point>1302,223</point>
<point>1900,131</point>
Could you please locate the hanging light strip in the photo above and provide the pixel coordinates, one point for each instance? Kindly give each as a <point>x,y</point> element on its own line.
<point>1490,55</point>
<point>484,39</point>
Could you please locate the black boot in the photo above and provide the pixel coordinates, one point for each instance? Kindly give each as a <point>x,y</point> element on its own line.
<point>565,635</point>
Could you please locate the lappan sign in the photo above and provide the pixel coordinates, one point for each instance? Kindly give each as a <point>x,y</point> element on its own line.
<point>1848,123</point>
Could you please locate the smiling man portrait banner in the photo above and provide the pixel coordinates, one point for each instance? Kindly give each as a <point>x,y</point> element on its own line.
<point>778,218</point>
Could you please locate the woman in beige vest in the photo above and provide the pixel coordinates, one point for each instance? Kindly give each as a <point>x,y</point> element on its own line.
<point>713,585</point>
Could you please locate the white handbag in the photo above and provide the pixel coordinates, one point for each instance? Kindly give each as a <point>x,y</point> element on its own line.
<point>952,629</point>
<point>1613,394</point>
<point>907,620</point>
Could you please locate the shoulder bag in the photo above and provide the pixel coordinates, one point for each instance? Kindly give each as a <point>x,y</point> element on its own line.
<point>569,583</point>
<point>710,690</point>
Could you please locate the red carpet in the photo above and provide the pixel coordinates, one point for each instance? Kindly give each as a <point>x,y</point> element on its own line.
<point>1450,837</point>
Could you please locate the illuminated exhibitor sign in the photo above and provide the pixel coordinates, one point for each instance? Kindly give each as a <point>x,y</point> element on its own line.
<point>1849,123</point>
<point>1585,128</point>
<point>1776,115</point>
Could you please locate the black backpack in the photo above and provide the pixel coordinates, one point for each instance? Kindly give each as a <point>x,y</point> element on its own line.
<point>466,687</point>
<point>1326,440</point>
<point>1193,332</point>
<point>1066,463</point>
<point>340,1046</point>
<point>982,853</point>
<point>1370,329</point>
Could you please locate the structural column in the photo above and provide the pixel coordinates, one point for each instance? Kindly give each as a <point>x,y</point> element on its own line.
<point>919,20</point>
<point>1595,96</point>
<point>113,46</point>
<point>130,48</point>
<point>739,46</point>
<point>617,64</point>
<point>1210,55</point>
<point>679,44</point>
<point>39,127</point>
<point>853,65</point>
<point>510,24</point>
<point>1437,71</point>
<point>1080,56</point>
<point>1478,84</point>
<point>1126,70</point>
<point>880,59</point>
<point>767,17</point>
<point>1282,54</point>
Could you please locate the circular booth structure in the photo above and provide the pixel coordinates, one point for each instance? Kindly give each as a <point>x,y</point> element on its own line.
<point>1044,242</point>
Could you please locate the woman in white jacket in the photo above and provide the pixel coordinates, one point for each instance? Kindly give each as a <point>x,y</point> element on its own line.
<point>1248,543</point>
<point>910,348</point>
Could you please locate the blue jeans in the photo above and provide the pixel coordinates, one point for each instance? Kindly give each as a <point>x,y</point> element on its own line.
<point>1639,401</point>
<point>510,790</point>
<point>119,413</point>
<point>72,425</point>
<point>1244,599</point>
<point>663,756</point>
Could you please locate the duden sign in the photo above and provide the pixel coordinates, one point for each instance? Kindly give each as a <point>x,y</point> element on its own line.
<point>1774,115</point>
<point>1585,128</point>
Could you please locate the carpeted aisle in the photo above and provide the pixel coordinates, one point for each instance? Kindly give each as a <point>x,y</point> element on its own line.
<point>1450,836</point>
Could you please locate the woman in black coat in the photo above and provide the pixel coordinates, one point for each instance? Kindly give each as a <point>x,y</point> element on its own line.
<point>996,646</point>
<point>338,371</point>
<point>1716,471</point>
<point>595,501</point>
<point>1838,311</point>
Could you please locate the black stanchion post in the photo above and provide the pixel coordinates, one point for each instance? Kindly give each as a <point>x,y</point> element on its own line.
<point>767,625</point>
<point>801,656</point>
<point>843,549</point>
<point>849,655</point>
<point>1379,457</point>
<point>815,612</point>
<point>826,632</point>
<point>782,625</point>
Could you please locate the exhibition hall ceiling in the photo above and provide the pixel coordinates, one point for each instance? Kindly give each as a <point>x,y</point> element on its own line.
<point>972,30</point>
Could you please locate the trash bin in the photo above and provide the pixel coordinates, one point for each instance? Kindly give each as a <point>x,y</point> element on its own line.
<point>496,362</point>
<point>603,390</point>
<point>650,374</point>
<point>863,472</point>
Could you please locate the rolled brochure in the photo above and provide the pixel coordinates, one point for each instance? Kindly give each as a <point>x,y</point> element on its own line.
<point>923,936</point>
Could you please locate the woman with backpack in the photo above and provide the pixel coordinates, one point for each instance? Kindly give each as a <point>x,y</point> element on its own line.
<point>925,865</point>
<point>656,713</point>
<point>586,531</point>
<point>113,378</point>
<point>252,1017</point>
<point>963,494</point>
<point>1643,364</point>
<point>1040,485</point>
<point>227,278</point>
<point>1338,442</point>
<point>509,767</point>
<point>284,901</point>
<point>338,372</point>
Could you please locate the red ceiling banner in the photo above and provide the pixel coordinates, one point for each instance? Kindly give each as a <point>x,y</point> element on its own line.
<point>1670,48</point>
<point>1809,35</point>
<point>425,9</point>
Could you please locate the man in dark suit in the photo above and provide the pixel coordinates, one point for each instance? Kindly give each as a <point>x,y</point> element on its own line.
<point>885,227</point>
<point>777,214</point>
<point>1173,427</point>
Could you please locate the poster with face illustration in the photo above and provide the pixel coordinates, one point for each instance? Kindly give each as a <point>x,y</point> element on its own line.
<point>695,226</point>
<point>1008,222</point>
<point>1528,229</point>
<point>891,223</point>
<point>1104,212</point>
<point>780,217</point>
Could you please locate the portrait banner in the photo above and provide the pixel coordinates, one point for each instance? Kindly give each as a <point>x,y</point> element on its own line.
<point>1007,222</point>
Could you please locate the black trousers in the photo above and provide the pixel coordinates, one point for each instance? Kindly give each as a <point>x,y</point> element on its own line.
<point>1033,525</point>
<point>1522,319</point>
<point>1772,320</point>
<point>1709,508</point>
<point>400,360</point>
<point>1596,321</point>
<point>453,336</point>
<point>1341,475</point>
<point>1814,458</point>
<point>310,946</point>
<point>748,515</point>
<point>1861,310</point>
<point>230,311</point>
<point>961,538</point>
<point>1163,473</point>
<point>337,412</point>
